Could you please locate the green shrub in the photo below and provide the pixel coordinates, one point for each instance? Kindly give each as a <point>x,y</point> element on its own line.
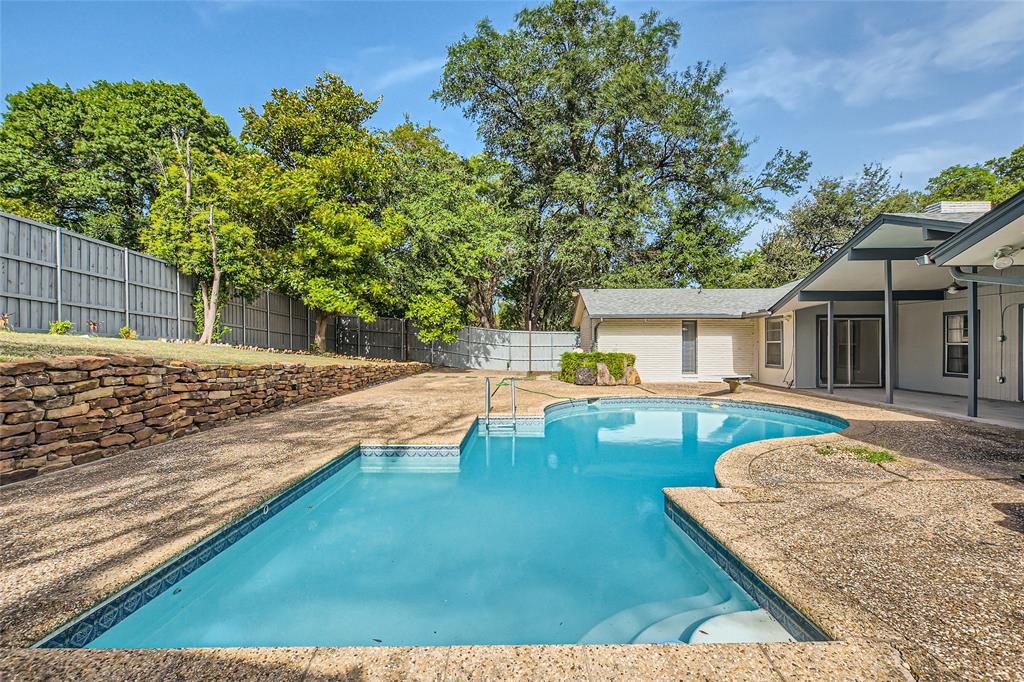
<point>61,327</point>
<point>616,362</point>
<point>127,333</point>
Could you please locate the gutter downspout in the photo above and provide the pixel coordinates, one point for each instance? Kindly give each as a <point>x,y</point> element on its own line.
<point>962,276</point>
<point>593,332</point>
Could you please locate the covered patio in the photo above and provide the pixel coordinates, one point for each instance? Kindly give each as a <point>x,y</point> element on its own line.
<point>879,323</point>
<point>996,412</point>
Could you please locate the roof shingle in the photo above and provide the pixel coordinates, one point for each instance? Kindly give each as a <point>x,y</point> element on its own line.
<point>649,303</point>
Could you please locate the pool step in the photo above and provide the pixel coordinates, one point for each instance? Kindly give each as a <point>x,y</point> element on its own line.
<point>628,624</point>
<point>675,626</point>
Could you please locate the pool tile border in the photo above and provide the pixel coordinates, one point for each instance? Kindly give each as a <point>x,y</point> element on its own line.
<point>797,624</point>
<point>409,450</point>
<point>93,623</point>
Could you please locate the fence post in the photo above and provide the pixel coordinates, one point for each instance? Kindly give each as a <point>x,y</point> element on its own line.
<point>243,320</point>
<point>268,318</point>
<point>291,334</point>
<point>60,277</point>
<point>127,319</point>
<point>359,335</point>
<point>177,304</point>
<point>405,340</point>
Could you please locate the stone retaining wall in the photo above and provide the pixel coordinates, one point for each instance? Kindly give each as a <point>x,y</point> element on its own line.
<point>76,409</point>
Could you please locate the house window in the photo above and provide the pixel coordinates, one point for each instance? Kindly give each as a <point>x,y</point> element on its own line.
<point>955,344</point>
<point>689,346</point>
<point>773,342</point>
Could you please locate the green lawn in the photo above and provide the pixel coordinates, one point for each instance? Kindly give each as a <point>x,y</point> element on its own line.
<point>17,345</point>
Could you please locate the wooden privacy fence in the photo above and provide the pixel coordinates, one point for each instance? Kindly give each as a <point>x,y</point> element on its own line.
<point>48,274</point>
<point>475,348</point>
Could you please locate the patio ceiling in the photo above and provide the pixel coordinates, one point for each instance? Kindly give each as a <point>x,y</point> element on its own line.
<point>857,271</point>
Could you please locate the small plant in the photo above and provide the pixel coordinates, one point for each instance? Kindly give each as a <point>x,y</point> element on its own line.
<point>127,333</point>
<point>867,454</point>
<point>314,348</point>
<point>5,323</point>
<point>61,327</point>
<point>872,456</point>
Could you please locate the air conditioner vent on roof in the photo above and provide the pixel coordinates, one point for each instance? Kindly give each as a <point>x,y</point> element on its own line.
<point>959,207</point>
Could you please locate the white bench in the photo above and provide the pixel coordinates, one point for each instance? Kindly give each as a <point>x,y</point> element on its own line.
<point>736,381</point>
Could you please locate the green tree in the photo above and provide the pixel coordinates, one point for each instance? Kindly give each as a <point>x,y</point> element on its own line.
<point>324,205</point>
<point>995,180</point>
<point>460,240</point>
<point>601,133</point>
<point>818,224</point>
<point>196,224</point>
<point>88,159</point>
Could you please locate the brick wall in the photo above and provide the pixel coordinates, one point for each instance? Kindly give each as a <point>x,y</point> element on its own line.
<point>71,410</point>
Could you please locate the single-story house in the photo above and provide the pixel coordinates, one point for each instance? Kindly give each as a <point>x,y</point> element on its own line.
<point>929,303</point>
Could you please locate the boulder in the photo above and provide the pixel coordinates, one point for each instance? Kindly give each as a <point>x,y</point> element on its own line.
<point>585,376</point>
<point>632,376</point>
<point>604,377</point>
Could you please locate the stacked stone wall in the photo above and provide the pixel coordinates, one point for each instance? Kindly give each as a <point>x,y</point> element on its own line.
<point>70,410</point>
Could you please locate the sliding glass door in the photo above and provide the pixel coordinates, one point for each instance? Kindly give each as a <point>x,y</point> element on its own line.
<point>857,351</point>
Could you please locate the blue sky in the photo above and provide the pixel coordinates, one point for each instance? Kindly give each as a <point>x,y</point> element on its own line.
<point>915,85</point>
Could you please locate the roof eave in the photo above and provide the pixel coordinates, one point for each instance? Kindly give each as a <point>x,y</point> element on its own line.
<point>881,219</point>
<point>983,227</point>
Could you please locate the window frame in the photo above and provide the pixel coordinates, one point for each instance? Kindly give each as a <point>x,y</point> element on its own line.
<point>696,340</point>
<point>781,342</point>
<point>946,343</point>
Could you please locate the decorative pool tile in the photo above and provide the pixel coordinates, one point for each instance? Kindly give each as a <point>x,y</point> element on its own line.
<point>669,401</point>
<point>798,625</point>
<point>423,458</point>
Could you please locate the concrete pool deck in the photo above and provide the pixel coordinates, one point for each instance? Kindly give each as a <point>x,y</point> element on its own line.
<point>913,565</point>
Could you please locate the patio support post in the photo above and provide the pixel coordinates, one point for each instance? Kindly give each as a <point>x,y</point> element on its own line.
<point>972,348</point>
<point>830,335</point>
<point>890,334</point>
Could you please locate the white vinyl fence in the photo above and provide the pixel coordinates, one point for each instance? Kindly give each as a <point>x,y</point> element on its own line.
<point>476,347</point>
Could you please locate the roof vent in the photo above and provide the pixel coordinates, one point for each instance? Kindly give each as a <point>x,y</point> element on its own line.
<point>959,207</point>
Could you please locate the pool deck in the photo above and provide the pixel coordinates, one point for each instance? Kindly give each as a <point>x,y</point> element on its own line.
<point>913,566</point>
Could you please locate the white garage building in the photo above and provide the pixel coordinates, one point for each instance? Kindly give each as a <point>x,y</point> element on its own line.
<point>677,334</point>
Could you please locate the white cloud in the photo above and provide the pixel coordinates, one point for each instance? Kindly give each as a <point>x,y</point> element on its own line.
<point>920,163</point>
<point>408,72</point>
<point>1001,101</point>
<point>887,66</point>
<point>985,40</point>
<point>780,76</point>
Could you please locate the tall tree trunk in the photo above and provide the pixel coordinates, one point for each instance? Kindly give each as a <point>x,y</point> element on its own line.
<point>321,319</point>
<point>211,296</point>
<point>211,299</point>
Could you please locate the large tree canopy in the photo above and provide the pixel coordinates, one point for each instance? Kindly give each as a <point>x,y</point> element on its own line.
<point>995,180</point>
<point>817,225</point>
<point>88,159</point>
<point>460,242</point>
<point>610,146</point>
<point>322,197</point>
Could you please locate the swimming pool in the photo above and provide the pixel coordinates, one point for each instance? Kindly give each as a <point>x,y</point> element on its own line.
<point>546,535</point>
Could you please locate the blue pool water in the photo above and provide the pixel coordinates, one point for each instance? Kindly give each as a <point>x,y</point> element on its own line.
<point>558,537</point>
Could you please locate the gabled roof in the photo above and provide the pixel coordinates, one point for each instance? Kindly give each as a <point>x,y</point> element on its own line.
<point>676,303</point>
<point>997,224</point>
<point>950,222</point>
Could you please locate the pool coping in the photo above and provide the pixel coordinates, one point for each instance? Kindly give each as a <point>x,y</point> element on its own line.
<point>82,628</point>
